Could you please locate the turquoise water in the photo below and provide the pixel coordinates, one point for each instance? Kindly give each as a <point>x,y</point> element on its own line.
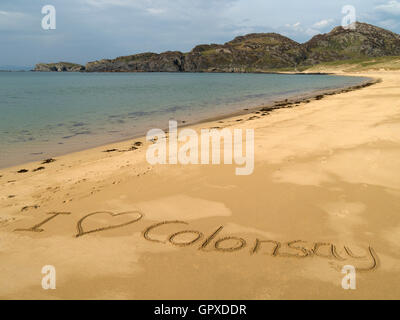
<point>47,114</point>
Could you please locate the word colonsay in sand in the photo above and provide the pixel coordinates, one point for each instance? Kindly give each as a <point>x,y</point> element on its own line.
<point>214,241</point>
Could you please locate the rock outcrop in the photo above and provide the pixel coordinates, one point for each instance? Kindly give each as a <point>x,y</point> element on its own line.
<point>250,53</point>
<point>59,67</point>
<point>256,52</point>
<point>253,52</point>
<point>364,41</point>
<point>143,62</point>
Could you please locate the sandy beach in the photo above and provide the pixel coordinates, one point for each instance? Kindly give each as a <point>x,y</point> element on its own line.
<point>325,193</point>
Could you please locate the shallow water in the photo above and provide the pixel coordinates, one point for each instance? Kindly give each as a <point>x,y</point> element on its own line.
<point>46,114</point>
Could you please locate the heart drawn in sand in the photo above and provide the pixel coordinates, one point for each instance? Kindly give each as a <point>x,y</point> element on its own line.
<point>82,232</point>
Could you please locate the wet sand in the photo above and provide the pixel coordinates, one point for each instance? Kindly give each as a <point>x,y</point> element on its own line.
<point>325,193</point>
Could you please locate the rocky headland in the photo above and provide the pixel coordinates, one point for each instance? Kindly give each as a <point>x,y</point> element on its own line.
<point>256,52</point>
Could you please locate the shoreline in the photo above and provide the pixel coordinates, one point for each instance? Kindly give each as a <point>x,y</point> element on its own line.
<point>290,101</point>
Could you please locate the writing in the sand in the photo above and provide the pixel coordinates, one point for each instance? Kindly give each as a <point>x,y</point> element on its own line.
<point>217,240</point>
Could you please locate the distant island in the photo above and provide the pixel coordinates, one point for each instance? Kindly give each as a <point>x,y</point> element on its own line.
<point>11,68</point>
<point>256,52</point>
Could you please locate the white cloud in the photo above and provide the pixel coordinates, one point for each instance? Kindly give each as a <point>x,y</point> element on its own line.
<point>391,8</point>
<point>164,5</point>
<point>108,3</point>
<point>323,23</point>
<point>295,26</point>
<point>389,24</point>
<point>311,32</point>
<point>119,27</point>
<point>11,20</point>
<point>298,30</point>
<point>155,11</point>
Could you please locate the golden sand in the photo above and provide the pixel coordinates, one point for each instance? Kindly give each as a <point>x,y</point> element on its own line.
<point>325,193</point>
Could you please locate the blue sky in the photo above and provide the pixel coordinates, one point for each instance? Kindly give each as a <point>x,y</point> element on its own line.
<point>94,29</point>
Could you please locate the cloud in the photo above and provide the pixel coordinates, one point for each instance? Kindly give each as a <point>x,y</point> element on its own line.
<point>391,8</point>
<point>155,11</point>
<point>312,32</point>
<point>15,21</point>
<point>295,26</point>
<point>188,6</point>
<point>297,30</point>
<point>387,15</point>
<point>323,23</point>
<point>110,3</point>
<point>389,24</point>
<point>93,29</point>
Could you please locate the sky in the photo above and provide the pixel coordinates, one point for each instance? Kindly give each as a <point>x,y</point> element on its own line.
<point>88,30</point>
